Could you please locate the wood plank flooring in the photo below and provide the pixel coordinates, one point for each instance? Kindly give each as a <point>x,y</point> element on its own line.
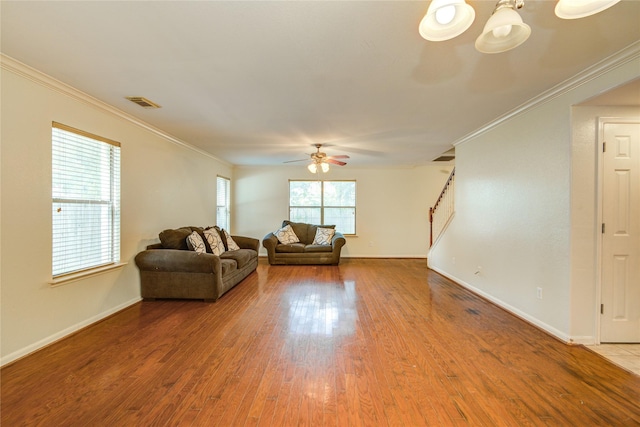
<point>368,343</point>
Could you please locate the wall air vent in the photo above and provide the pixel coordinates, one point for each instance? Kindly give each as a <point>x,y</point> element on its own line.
<point>143,102</point>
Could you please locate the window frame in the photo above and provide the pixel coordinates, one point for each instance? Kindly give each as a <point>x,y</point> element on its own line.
<point>227,205</point>
<point>86,266</point>
<point>322,206</point>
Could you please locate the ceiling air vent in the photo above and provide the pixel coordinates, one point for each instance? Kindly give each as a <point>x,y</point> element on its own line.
<point>143,102</point>
<point>444,158</point>
<point>447,156</point>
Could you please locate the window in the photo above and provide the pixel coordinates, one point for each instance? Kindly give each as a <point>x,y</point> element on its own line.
<point>223,212</point>
<point>86,200</point>
<point>324,202</point>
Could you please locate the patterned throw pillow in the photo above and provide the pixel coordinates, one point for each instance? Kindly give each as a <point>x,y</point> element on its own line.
<point>195,243</point>
<point>323,236</point>
<point>215,241</point>
<point>224,241</point>
<point>231,244</point>
<point>286,236</point>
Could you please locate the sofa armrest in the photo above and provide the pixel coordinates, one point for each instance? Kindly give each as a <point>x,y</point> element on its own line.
<point>338,241</point>
<point>247,242</point>
<point>269,242</point>
<point>175,260</point>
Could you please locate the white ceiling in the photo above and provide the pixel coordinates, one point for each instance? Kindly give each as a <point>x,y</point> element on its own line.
<point>258,83</point>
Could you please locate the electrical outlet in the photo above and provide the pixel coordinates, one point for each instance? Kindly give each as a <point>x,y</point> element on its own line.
<point>539,293</point>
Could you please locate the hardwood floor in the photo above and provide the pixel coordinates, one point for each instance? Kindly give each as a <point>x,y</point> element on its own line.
<point>368,343</point>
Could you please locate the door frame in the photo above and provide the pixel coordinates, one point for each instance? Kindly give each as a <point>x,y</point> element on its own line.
<point>602,121</point>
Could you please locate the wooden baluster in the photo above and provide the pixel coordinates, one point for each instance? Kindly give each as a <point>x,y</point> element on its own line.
<point>447,191</point>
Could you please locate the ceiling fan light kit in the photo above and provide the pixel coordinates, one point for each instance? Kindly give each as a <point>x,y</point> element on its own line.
<point>574,9</point>
<point>505,30</point>
<point>446,19</point>
<point>320,161</point>
<point>316,167</point>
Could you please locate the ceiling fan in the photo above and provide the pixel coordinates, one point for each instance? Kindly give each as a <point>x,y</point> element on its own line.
<point>320,160</point>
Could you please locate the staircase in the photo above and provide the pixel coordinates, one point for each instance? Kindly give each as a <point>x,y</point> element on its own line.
<point>442,211</point>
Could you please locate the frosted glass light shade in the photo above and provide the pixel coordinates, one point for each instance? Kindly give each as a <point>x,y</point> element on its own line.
<point>446,19</point>
<point>503,31</point>
<point>573,9</point>
<point>313,167</point>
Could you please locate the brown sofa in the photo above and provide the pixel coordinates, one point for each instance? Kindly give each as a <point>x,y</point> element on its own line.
<point>304,252</point>
<point>170,270</point>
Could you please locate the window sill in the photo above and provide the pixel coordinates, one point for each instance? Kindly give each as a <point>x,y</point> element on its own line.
<point>74,277</point>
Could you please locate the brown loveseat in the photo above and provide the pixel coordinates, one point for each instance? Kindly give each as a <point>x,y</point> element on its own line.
<point>170,270</point>
<point>304,252</point>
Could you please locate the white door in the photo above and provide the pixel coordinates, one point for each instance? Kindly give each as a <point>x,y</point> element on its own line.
<point>620,318</point>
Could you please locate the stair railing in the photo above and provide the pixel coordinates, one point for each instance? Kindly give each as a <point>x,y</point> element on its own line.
<point>442,210</point>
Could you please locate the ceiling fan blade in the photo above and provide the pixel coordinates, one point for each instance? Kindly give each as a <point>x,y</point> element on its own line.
<point>335,162</point>
<point>292,161</point>
<point>339,156</point>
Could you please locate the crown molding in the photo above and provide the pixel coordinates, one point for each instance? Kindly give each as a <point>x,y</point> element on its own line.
<point>16,67</point>
<point>618,59</point>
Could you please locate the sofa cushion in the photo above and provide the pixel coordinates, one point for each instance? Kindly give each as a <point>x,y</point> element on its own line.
<point>228,265</point>
<point>323,236</point>
<point>175,239</point>
<point>318,248</point>
<point>301,230</point>
<point>240,256</point>
<point>286,235</point>
<point>291,248</point>
<point>215,241</point>
<point>195,243</point>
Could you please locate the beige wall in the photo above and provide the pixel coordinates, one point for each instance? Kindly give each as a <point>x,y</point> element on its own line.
<point>518,185</point>
<point>164,184</point>
<point>392,217</point>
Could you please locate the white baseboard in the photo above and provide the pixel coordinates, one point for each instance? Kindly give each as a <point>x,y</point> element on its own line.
<point>516,312</point>
<point>382,256</point>
<point>378,256</point>
<point>64,333</point>
<point>582,340</point>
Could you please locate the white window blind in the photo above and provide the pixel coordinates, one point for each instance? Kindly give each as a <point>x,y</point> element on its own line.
<point>223,212</point>
<point>86,200</point>
<point>324,203</point>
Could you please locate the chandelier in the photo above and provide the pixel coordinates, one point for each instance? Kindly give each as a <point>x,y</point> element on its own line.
<point>505,30</point>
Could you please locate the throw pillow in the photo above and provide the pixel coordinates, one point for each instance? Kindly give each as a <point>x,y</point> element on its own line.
<point>200,231</point>
<point>224,240</point>
<point>175,239</point>
<point>231,244</point>
<point>213,237</point>
<point>286,236</point>
<point>323,236</point>
<point>195,243</point>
